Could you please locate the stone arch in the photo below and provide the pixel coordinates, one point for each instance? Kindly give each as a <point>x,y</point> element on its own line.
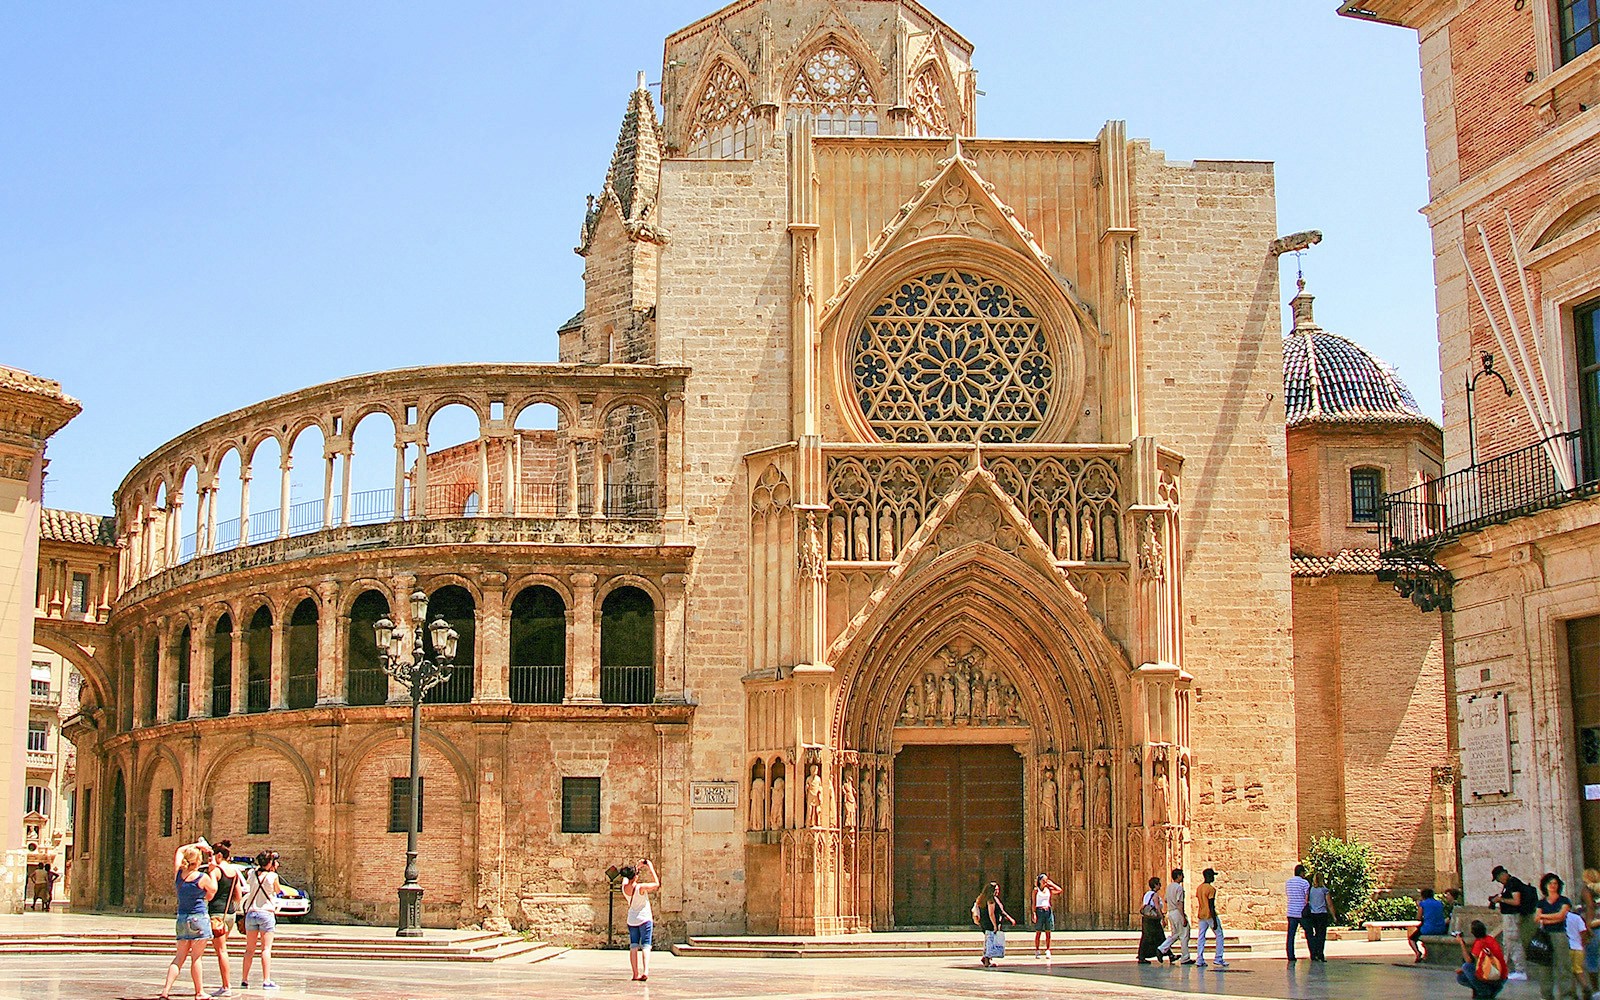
<point>1066,326</point>
<point>719,120</point>
<point>160,752</point>
<point>225,801</point>
<point>344,790</point>
<point>352,589</point>
<point>517,584</point>
<point>560,403</point>
<point>1555,217</point>
<point>254,740</point>
<point>428,410</point>
<point>95,672</point>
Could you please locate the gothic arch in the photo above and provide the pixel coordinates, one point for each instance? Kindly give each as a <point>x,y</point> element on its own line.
<point>722,108</point>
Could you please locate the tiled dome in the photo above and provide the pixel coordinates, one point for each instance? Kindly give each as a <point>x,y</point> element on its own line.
<point>1327,378</point>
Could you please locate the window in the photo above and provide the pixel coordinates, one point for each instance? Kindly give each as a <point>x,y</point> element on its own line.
<point>832,90</point>
<point>260,808</point>
<point>400,803</point>
<point>538,647</point>
<point>185,664</point>
<point>38,688</point>
<point>302,650</point>
<point>222,667</point>
<point>724,122</point>
<point>455,605</point>
<point>1586,330</point>
<point>580,805</point>
<point>366,682</point>
<point>38,737</point>
<point>80,593</point>
<point>627,648</point>
<point>166,812</point>
<point>1366,494</point>
<point>1580,27</point>
<point>258,662</point>
<point>36,799</point>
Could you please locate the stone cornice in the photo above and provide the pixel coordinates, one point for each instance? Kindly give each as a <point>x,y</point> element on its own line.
<point>1552,144</point>
<point>32,409</point>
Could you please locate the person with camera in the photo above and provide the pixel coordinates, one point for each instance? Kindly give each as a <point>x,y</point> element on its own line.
<point>638,882</point>
<point>260,917</point>
<point>1483,969</point>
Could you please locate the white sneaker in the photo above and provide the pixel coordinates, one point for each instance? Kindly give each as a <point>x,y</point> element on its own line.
<point>1519,976</point>
<point>1047,956</point>
<point>1219,963</point>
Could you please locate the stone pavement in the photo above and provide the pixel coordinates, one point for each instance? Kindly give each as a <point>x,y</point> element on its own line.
<point>585,974</point>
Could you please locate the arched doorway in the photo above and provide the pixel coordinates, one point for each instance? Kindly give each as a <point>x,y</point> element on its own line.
<point>116,841</point>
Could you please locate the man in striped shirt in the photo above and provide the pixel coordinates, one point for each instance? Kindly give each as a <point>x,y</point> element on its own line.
<point>1295,892</point>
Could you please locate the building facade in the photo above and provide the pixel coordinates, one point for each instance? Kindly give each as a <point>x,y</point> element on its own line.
<point>1509,533</point>
<point>908,511</point>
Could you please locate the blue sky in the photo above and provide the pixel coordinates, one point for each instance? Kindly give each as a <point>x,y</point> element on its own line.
<point>203,205</point>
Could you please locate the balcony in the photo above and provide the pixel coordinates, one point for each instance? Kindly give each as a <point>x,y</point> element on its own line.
<point>1420,520</point>
<point>41,760</point>
<point>47,700</point>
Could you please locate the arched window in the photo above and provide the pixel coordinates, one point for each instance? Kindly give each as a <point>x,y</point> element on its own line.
<point>628,648</point>
<point>183,657</point>
<point>116,843</point>
<point>538,647</point>
<point>833,92</point>
<point>366,682</point>
<point>302,642</point>
<point>258,657</point>
<point>455,605</point>
<point>928,114</point>
<point>222,667</point>
<point>953,356</point>
<point>152,680</point>
<point>1366,495</point>
<point>724,123</point>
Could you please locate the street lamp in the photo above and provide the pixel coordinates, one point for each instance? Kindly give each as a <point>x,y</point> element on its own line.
<point>418,675</point>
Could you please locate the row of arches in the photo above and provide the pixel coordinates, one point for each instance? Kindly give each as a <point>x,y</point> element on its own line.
<point>251,663</point>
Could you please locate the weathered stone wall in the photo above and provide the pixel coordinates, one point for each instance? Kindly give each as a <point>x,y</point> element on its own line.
<point>1211,388</point>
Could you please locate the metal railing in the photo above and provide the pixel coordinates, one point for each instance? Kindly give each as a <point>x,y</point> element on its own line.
<point>543,685</point>
<point>1420,519</point>
<point>627,685</point>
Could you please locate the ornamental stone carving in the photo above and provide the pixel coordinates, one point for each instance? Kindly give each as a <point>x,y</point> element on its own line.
<point>961,691</point>
<point>1049,800</point>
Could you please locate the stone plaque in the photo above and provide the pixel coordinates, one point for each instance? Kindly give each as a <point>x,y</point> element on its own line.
<point>1485,745</point>
<point>714,794</point>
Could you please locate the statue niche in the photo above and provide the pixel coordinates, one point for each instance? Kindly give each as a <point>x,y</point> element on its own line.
<point>961,691</point>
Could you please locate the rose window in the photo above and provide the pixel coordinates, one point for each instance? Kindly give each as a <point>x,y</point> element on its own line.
<point>951,356</point>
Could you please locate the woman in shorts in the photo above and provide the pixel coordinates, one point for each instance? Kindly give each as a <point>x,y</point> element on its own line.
<point>224,904</point>
<point>261,917</point>
<point>195,889</point>
<point>1044,912</point>
<point>637,885</point>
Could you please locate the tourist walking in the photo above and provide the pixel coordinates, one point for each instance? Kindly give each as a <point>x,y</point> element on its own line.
<point>1516,901</point>
<point>195,888</point>
<point>1319,916</point>
<point>1152,930</point>
<point>1555,980</point>
<point>1205,910</point>
<point>39,887</point>
<point>1177,920</point>
<point>223,908</point>
<point>1483,969</point>
<point>1430,922</point>
<point>638,882</point>
<point>1296,891</point>
<point>260,917</point>
<point>1044,912</point>
<point>1591,918</point>
<point>989,912</point>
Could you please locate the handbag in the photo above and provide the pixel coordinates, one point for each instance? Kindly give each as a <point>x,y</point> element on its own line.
<point>1148,910</point>
<point>219,923</point>
<point>1538,949</point>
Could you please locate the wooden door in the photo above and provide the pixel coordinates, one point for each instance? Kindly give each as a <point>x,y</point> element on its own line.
<point>1583,653</point>
<point>957,825</point>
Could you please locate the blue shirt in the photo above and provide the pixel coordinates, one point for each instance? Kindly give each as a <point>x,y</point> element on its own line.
<point>1433,921</point>
<point>191,897</point>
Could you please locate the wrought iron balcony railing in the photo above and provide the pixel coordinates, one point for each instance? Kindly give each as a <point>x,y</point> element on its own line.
<point>1419,520</point>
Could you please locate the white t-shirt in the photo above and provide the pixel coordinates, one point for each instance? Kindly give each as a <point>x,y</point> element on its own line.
<point>1175,897</point>
<point>1574,931</point>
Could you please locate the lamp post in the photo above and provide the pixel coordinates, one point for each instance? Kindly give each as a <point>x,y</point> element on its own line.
<point>418,675</point>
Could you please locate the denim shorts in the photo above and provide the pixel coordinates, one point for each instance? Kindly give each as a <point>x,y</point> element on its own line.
<point>194,928</point>
<point>260,920</point>
<point>1044,919</point>
<point>639,934</point>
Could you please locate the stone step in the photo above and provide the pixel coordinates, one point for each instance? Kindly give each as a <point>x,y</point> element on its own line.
<point>484,947</point>
<point>896,946</point>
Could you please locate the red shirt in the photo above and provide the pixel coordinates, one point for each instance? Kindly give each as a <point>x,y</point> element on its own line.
<point>1490,945</point>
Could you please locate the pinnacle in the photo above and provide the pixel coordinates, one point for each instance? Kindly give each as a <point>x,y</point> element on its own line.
<point>634,176</point>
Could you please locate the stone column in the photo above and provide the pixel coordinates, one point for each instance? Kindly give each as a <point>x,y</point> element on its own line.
<point>492,899</point>
<point>672,480</point>
<point>400,512</point>
<point>331,628</point>
<point>344,483</point>
<point>174,528</point>
<point>141,680</point>
<point>670,679</point>
<point>327,488</point>
<point>166,674</point>
<point>240,689</point>
<point>400,614</point>
<point>285,491</point>
<point>494,642</point>
<point>483,477</point>
<point>279,683</point>
<point>583,647</point>
<point>204,647</point>
<point>244,504</point>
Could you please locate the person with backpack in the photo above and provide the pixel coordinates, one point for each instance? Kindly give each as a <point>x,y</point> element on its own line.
<point>1516,901</point>
<point>260,917</point>
<point>1484,965</point>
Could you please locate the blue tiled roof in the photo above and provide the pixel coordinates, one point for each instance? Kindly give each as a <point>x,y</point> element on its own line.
<point>1330,379</point>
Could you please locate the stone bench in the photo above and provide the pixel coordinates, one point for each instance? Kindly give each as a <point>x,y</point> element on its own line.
<point>1375,928</point>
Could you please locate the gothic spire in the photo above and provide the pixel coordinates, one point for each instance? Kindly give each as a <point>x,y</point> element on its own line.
<point>635,174</point>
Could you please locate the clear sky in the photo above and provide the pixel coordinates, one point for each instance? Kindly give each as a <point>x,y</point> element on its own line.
<point>203,205</point>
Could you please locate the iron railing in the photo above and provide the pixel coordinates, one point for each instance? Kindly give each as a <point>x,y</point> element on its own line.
<point>1418,520</point>
<point>627,685</point>
<point>543,685</point>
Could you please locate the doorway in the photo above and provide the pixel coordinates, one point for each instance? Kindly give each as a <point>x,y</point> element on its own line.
<point>1583,654</point>
<point>116,840</point>
<point>957,826</point>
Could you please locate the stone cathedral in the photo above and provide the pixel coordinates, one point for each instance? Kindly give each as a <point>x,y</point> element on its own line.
<point>914,514</point>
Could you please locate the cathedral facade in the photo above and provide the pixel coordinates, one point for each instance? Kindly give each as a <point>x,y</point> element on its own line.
<point>914,514</point>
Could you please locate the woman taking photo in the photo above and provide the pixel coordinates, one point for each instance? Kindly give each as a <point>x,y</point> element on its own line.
<point>1152,929</point>
<point>195,889</point>
<point>222,907</point>
<point>637,885</point>
<point>260,917</point>
<point>989,911</point>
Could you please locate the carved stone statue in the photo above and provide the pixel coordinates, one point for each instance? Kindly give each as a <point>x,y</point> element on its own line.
<point>947,702</point>
<point>930,696</point>
<point>836,537</point>
<point>1162,795</point>
<point>963,696</point>
<point>867,799</point>
<point>1086,538</point>
<point>881,814</point>
<point>885,534</point>
<point>777,815</point>
<point>995,709</point>
<point>1110,549</point>
<point>847,802</point>
<point>758,803</point>
<point>1063,535</point>
<point>1013,705</point>
<point>814,796</point>
<point>1102,798</point>
<point>863,534</point>
<point>911,712</point>
<point>1136,784</point>
<point>1050,801</point>
<point>1151,554</point>
<point>1074,797</point>
<point>810,559</point>
<point>1183,789</point>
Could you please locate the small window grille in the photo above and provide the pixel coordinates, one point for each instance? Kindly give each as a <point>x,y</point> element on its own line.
<point>260,811</point>
<point>580,805</point>
<point>400,803</point>
<point>80,593</point>
<point>166,812</point>
<point>1366,494</point>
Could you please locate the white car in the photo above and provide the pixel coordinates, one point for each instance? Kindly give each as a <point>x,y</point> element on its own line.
<point>292,903</point>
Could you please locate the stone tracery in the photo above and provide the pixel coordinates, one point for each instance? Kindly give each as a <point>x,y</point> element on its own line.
<point>724,122</point>
<point>834,92</point>
<point>928,115</point>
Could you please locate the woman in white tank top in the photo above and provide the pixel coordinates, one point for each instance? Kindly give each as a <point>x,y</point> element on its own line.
<point>637,884</point>
<point>1044,912</point>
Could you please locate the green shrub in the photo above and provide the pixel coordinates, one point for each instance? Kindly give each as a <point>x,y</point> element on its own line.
<point>1346,869</point>
<point>1389,908</point>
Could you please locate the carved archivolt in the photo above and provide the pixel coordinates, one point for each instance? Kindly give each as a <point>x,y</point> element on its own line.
<point>961,690</point>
